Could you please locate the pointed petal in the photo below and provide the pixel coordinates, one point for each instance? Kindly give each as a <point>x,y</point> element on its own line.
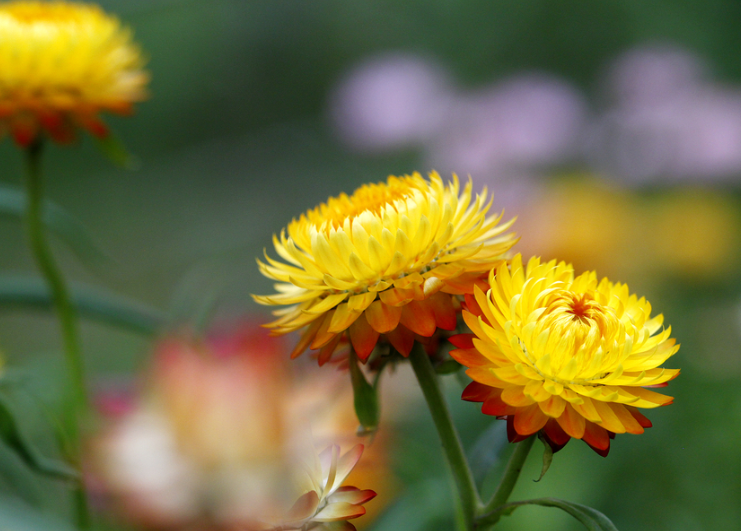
<point>304,507</point>
<point>382,317</point>
<point>419,317</point>
<point>363,337</point>
<point>333,512</point>
<point>402,339</point>
<point>571,422</point>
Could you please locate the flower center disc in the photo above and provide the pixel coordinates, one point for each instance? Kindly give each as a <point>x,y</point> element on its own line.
<point>581,329</point>
<point>372,198</point>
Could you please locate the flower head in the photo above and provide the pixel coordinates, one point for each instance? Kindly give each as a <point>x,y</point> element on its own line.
<point>61,63</point>
<point>386,260</point>
<point>569,356</point>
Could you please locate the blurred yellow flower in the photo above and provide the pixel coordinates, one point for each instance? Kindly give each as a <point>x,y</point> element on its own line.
<point>61,63</point>
<point>593,225</point>
<point>569,356</point>
<point>387,260</point>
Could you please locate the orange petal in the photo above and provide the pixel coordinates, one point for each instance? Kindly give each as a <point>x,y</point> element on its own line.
<point>553,406</point>
<point>642,420</point>
<point>529,420</point>
<point>382,317</point>
<point>470,357</point>
<point>515,397</point>
<point>555,434</point>
<point>597,438</point>
<point>512,434</point>
<point>496,407</point>
<point>325,354</point>
<point>363,337</point>
<point>462,340</point>
<point>396,296</point>
<point>442,307</point>
<point>307,337</point>
<point>571,422</point>
<point>323,335</point>
<point>419,317</point>
<point>402,339</point>
<point>472,306</point>
<point>478,392</point>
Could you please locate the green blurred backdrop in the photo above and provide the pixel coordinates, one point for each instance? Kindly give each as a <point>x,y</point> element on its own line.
<point>236,140</point>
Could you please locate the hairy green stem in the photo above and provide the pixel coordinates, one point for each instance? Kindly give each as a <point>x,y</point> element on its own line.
<point>452,447</point>
<point>507,483</point>
<point>75,391</point>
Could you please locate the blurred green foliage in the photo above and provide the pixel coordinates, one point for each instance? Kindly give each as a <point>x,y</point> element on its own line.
<point>234,142</point>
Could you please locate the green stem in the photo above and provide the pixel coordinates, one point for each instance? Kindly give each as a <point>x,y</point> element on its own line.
<point>452,447</point>
<point>509,479</point>
<point>76,392</point>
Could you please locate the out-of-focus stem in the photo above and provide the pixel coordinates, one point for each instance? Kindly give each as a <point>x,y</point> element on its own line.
<point>75,406</point>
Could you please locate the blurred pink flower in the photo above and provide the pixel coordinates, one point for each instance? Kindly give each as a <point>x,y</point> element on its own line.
<point>514,126</point>
<point>667,122</point>
<point>652,74</point>
<point>389,102</point>
<point>222,438</point>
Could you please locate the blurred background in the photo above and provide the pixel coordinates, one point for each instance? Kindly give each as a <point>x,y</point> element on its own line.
<point>612,130</point>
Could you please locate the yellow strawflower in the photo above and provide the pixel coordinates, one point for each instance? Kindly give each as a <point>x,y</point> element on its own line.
<point>61,63</point>
<point>569,356</point>
<point>387,260</point>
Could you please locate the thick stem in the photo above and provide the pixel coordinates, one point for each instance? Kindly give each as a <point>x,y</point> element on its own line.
<point>75,405</point>
<point>452,447</point>
<point>509,479</point>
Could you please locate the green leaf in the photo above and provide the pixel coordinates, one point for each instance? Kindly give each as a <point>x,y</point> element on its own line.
<point>547,457</point>
<point>591,518</point>
<point>11,435</point>
<point>57,220</point>
<point>92,303</point>
<point>115,151</point>
<point>365,398</point>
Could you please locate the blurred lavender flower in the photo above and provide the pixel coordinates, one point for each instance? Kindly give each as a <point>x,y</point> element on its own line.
<point>389,102</point>
<point>503,133</point>
<point>666,122</point>
<point>524,122</point>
